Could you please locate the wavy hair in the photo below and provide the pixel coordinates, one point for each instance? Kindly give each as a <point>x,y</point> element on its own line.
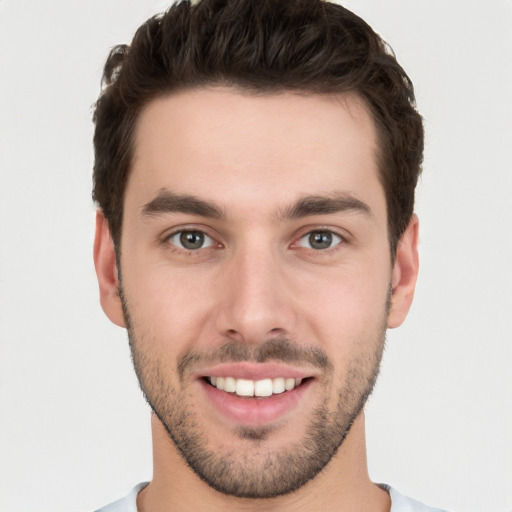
<point>260,46</point>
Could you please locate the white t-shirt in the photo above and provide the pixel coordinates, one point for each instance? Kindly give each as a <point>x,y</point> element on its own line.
<point>399,502</point>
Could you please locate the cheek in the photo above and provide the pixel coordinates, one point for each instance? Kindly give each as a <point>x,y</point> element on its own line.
<point>349,302</point>
<point>169,305</point>
<point>333,307</point>
<point>351,326</point>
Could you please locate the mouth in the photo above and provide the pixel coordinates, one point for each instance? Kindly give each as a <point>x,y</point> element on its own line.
<point>254,388</point>
<point>255,395</point>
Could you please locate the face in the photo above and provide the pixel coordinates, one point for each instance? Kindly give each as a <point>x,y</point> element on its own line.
<point>256,279</point>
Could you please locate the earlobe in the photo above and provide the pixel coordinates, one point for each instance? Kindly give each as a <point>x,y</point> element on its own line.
<point>106,271</point>
<point>405,273</point>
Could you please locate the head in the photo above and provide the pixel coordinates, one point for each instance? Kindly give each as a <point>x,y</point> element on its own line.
<point>255,163</point>
<point>308,46</point>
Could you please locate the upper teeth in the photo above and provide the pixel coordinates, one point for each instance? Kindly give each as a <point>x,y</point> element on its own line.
<point>245,387</point>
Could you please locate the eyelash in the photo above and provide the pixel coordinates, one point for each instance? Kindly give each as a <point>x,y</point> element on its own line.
<point>338,240</point>
<point>189,252</point>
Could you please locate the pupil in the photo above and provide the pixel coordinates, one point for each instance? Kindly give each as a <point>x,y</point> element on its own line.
<point>192,239</point>
<point>320,240</point>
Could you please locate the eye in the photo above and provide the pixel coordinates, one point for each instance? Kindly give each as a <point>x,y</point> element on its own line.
<point>191,240</point>
<point>320,240</point>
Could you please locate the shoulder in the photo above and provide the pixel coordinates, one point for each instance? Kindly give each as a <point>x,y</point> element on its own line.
<point>126,504</point>
<point>401,503</point>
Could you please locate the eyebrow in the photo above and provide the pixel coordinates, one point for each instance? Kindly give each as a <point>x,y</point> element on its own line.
<point>308,206</point>
<point>169,202</point>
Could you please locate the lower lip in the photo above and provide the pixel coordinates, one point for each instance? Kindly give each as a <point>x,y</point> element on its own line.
<point>254,411</point>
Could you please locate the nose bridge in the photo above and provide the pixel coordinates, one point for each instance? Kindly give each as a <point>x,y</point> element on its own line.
<point>256,303</point>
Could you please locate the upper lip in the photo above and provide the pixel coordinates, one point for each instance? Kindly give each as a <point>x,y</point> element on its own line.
<point>255,371</point>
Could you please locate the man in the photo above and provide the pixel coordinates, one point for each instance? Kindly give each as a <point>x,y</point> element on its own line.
<point>255,171</point>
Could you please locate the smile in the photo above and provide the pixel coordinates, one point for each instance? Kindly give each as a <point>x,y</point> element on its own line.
<point>256,394</point>
<point>257,388</point>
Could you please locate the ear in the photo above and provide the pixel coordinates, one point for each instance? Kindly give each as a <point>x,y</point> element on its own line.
<point>405,272</point>
<point>106,271</point>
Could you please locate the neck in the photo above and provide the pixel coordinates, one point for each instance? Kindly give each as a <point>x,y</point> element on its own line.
<point>343,484</point>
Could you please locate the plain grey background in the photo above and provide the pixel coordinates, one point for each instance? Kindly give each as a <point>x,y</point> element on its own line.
<point>74,428</point>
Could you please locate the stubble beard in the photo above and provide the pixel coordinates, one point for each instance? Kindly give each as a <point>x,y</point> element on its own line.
<point>255,472</point>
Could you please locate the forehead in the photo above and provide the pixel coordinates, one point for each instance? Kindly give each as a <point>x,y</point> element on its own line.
<point>241,149</point>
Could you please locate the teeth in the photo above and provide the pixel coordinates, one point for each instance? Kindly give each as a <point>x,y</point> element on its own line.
<point>229,384</point>
<point>244,387</point>
<point>289,384</point>
<point>261,388</point>
<point>278,386</point>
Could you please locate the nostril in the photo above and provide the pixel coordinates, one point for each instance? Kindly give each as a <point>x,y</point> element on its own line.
<point>234,335</point>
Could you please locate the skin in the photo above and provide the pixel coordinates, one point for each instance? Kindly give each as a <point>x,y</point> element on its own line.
<point>254,158</point>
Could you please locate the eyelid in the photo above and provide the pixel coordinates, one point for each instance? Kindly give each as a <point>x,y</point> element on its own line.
<point>169,234</point>
<point>177,234</point>
<point>344,238</point>
<point>336,239</point>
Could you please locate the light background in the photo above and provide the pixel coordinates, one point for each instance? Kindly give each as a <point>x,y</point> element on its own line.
<point>74,429</point>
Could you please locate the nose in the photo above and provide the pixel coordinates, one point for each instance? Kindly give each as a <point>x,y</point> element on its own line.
<point>257,302</point>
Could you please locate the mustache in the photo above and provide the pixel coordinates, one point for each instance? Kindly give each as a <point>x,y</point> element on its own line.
<point>275,349</point>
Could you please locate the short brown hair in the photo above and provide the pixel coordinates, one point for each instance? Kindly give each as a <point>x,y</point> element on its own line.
<point>270,46</point>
